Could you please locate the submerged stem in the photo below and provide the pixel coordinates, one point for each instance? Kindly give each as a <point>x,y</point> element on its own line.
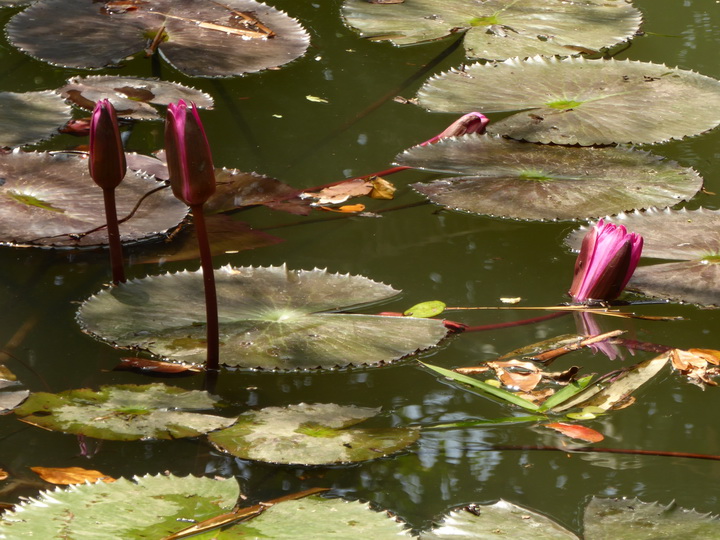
<point>113,229</point>
<point>211,310</point>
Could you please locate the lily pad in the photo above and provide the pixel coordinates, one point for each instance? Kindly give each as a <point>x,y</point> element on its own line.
<point>315,517</point>
<point>237,189</point>
<point>690,236</point>
<point>607,519</point>
<point>499,29</point>
<point>511,179</point>
<point>311,434</point>
<point>500,520</point>
<point>132,97</point>
<point>50,200</point>
<point>125,412</point>
<point>272,318</point>
<point>145,507</point>
<point>30,117</point>
<point>579,101</point>
<point>199,38</point>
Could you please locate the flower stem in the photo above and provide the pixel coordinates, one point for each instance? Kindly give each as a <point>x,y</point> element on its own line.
<point>113,230</point>
<point>211,310</point>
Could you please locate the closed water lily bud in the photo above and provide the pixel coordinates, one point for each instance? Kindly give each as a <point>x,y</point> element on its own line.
<point>473,122</point>
<point>608,257</point>
<point>107,156</point>
<point>189,161</point>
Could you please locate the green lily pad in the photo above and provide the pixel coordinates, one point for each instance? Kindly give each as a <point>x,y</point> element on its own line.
<point>202,38</point>
<point>50,200</point>
<point>311,434</point>
<point>318,518</point>
<point>145,507</point>
<point>578,101</point>
<point>30,117</point>
<point>160,506</point>
<point>610,519</point>
<point>690,236</point>
<point>132,97</point>
<point>500,520</point>
<point>511,179</point>
<point>499,29</point>
<point>125,412</point>
<point>272,318</point>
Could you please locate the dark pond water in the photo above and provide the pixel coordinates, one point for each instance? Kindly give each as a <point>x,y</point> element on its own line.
<point>430,254</point>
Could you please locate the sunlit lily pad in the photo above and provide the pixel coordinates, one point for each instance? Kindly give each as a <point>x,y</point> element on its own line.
<point>499,29</point>
<point>609,519</point>
<point>163,505</point>
<point>691,236</point>
<point>201,38</point>
<point>578,101</point>
<point>271,317</point>
<point>144,507</point>
<point>30,117</point>
<point>50,200</point>
<point>507,178</point>
<point>125,412</point>
<point>311,434</point>
<point>132,97</point>
<point>500,520</point>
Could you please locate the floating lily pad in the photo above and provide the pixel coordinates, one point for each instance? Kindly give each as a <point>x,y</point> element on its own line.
<point>272,318</point>
<point>500,520</point>
<point>507,178</point>
<point>50,200</point>
<point>237,189</point>
<point>132,97</point>
<point>691,236</point>
<point>605,519</point>
<point>578,101</point>
<point>315,517</point>
<point>161,506</point>
<point>311,434</point>
<point>200,39</point>
<point>125,412</point>
<point>145,507</point>
<point>30,117</point>
<point>499,29</point>
<point>609,519</point>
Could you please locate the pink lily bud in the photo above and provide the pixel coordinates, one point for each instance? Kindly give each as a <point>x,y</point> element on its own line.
<point>608,257</point>
<point>107,156</point>
<point>473,122</point>
<point>189,161</point>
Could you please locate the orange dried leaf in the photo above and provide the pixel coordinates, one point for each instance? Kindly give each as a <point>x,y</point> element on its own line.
<point>522,380</point>
<point>347,209</point>
<point>71,475</point>
<point>710,355</point>
<point>341,192</point>
<point>536,396</point>
<point>576,432</point>
<point>471,370</point>
<point>3,474</point>
<point>155,366</point>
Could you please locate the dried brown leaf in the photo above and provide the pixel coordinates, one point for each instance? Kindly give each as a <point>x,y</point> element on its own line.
<point>70,475</point>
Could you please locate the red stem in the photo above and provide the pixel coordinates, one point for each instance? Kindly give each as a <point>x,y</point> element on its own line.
<point>211,310</point>
<point>512,324</point>
<point>113,230</point>
<point>592,449</point>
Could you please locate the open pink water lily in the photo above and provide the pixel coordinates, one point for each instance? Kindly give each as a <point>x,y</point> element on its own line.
<point>189,161</point>
<point>473,122</point>
<point>107,156</point>
<point>608,257</point>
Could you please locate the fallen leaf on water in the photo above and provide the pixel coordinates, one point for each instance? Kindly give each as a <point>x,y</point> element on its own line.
<point>513,300</point>
<point>3,474</point>
<point>576,432</point>
<point>70,475</point>
<point>711,355</point>
<point>316,99</point>
<point>347,209</point>
<point>694,365</point>
<point>536,396</point>
<point>341,192</point>
<point>382,189</point>
<point>524,376</point>
<point>155,366</point>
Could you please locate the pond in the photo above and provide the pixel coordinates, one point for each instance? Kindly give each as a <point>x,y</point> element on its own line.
<point>264,122</point>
